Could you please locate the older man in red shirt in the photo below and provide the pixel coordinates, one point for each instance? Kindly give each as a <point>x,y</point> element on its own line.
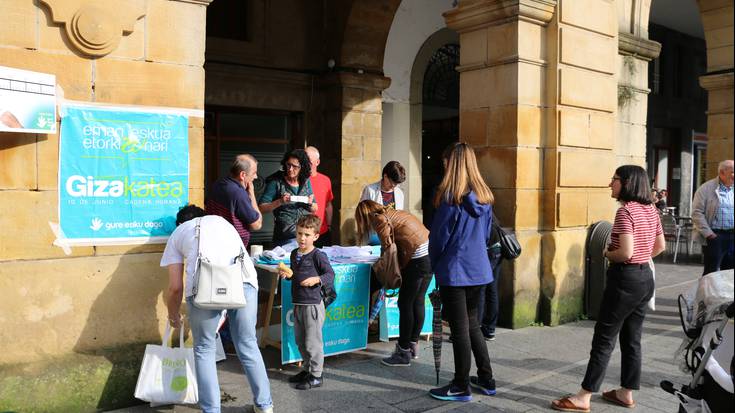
<point>322,187</point>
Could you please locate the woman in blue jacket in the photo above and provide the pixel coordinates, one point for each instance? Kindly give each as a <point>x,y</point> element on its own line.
<point>457,242</point>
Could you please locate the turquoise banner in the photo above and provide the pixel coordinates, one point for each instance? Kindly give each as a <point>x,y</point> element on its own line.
<point>123,175</point>
<point>345,327</point>
<point>389,315</point>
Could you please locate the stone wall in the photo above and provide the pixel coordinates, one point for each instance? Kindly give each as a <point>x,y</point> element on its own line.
<point>717,19</point>
<point>129,52</point>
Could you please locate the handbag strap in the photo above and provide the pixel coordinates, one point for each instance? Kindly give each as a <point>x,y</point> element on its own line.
<point>167,336</point>
<point>198,236</point>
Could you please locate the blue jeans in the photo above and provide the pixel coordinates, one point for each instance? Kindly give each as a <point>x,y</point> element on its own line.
<point>242,327</point>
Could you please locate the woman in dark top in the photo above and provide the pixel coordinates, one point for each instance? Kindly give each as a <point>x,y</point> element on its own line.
<point>292,180</point>
<point>457,242</point>
<point>636,237</point>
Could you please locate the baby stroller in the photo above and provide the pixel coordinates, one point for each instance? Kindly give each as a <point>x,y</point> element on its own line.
<point>706,313</point>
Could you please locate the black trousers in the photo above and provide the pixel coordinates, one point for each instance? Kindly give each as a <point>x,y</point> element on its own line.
<point>415,279</point>
<point>460,304</point>
<point>718,253</point>
<point>623,308</point>
<point>488,308</point>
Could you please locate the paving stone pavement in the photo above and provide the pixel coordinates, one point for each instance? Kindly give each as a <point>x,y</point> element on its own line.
<point>532,366</point>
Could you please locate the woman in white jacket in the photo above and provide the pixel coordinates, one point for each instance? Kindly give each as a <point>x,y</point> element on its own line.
<point>386,191</point>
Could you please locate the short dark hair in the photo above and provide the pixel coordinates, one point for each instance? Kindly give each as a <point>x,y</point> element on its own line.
<point>303,158</point>
<point>395,171</point>
<point>310,222</point>
<point>189,212</point>
<point>634,185</point>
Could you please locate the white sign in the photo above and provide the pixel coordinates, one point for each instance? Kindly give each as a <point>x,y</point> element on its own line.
<point>27,101</point>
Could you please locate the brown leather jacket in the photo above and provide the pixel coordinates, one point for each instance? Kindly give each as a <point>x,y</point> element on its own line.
<point>410,233</point>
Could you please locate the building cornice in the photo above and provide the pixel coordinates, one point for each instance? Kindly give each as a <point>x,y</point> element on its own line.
<point>631,45</point>
<point>201,2</point>
<point>716,81</point>
<point>478,14</point>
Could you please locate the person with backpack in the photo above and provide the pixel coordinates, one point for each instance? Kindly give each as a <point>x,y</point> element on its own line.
<point>310,270</point>
<point>221,243</point>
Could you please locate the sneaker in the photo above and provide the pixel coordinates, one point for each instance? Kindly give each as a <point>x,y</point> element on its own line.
<point>451,393</point>
<point>298,378</point>
<point>310,383</point>
<point>399,358</point>
<point>268,409</point>
<point>486,387</point>
<point>414,347</point>
<point>487,334</point>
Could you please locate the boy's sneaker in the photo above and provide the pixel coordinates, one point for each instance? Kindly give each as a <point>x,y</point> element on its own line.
<point>414,347</point>
<point>399,358</point>
<point>484,386</point>
<point>298,378</point>
<point>310,382</point>
<point>451,393</point>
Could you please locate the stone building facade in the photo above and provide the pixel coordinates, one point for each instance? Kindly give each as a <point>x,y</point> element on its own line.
<point>540,84</point>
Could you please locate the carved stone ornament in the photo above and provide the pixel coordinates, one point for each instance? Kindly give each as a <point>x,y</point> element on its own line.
<point>96,27</point>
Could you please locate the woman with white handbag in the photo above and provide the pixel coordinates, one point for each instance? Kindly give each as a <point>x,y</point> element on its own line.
<point>210,244</point>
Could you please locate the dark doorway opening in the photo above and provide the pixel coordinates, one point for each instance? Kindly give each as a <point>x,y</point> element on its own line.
<point>440,125</point>
<point>266,135</point>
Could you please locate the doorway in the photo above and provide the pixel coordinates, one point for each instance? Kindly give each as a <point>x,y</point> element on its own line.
<point>440,120</point>
<point>266,135</point>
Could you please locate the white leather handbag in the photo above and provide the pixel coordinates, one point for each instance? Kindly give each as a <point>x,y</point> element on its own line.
<point>218,287</point>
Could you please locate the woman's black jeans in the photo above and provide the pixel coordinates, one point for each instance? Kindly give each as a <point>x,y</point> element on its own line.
<point>488,308</point>
<point>460,304</point>
<point>623,308</point>
<point>415,279</point>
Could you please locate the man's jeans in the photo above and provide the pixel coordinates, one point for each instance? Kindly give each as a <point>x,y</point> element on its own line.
<point>242,327</point>
<point>718,253</point>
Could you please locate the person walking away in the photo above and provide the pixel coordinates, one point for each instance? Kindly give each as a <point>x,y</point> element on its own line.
<point>292,180</point>
<point>233,197</point>
<point>321,185</point>
<point>637,236</point>
<point>457,249</point>
<point>310,269</point>
<point>223,243</point>
<point>712,217</point>
<point>412,242</point>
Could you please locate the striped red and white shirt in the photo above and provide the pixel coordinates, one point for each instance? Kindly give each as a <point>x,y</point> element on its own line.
<point>644,223</point>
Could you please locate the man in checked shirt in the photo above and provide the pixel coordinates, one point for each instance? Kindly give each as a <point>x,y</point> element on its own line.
<point>712,216</point>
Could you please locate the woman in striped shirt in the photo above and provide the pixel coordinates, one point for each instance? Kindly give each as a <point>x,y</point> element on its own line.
<point>636,237</point>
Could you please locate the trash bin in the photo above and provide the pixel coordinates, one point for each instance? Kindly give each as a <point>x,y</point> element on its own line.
<point>595,267</point>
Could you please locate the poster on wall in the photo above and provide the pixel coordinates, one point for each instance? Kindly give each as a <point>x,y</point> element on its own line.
<point>123,174</point>
<point>345,324</point>
<point>27,101</point>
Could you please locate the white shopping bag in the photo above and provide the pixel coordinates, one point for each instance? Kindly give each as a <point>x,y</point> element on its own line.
<point>167,374</point>
<point>652,301</point>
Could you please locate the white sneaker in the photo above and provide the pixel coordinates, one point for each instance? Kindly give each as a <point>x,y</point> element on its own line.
<point>259,410</point>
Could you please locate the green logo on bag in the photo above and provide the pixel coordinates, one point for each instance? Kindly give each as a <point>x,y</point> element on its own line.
<point>179,383</point>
